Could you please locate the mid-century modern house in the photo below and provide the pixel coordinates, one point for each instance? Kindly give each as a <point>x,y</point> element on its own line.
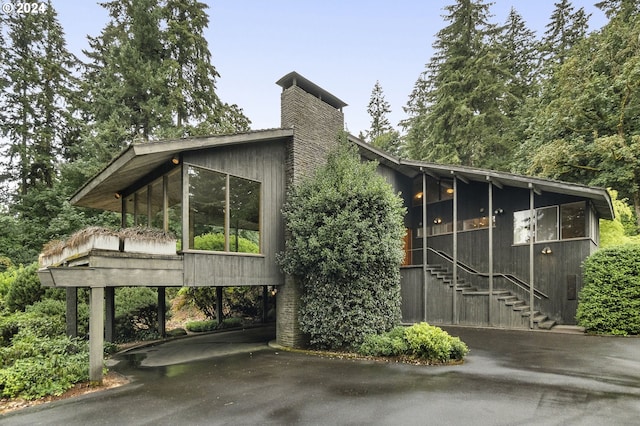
<point>482,247</point>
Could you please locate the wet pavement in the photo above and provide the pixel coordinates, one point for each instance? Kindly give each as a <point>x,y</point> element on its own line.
<point>510,377</point>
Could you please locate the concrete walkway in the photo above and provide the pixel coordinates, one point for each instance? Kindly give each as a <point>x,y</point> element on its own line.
<point>510,377</point>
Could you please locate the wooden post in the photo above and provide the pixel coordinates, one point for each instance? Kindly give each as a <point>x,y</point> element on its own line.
<point>265,303</point>
<point>162,308</point>
<point>96,334</point>
<point>532,235</point>
<point>219,304</point>
<point>424,243</point>
<point>71,316</point>
<point>110,312</point>
<point>455,249</point>
<point>490,217</point>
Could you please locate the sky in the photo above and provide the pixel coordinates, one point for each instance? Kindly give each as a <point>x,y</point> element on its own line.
<point>344,46</point>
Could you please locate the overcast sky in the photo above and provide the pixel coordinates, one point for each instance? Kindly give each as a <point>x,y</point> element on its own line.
<point>343,46</point>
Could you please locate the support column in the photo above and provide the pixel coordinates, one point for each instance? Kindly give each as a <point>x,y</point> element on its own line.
<point>110,312</point>
<point>455,250</point>
<point>72,311</point>
<point>490,217</point>
<point>265,303</point>
<point>162,309</point>
<point>532,234</point>
<point>219,304</point>
<point>96,334</point>
<point>424,244</point>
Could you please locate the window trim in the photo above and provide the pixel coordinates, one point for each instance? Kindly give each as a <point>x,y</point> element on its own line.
<point>227,230</point>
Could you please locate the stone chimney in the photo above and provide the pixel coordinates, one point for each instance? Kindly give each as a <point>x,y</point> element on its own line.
<point>317,119</point>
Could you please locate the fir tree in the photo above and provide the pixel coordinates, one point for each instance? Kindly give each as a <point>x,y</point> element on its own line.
<point>36,102</point>
<point>381,134</point>
<point>564,30</point>
<point>454,109</point>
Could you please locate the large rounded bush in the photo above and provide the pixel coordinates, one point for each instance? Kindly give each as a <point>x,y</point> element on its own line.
<point>346,227</point>
<point>609,302</point>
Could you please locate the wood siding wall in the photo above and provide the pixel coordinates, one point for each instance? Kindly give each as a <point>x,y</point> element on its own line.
<point>262,162</point>
<point>558,275</point>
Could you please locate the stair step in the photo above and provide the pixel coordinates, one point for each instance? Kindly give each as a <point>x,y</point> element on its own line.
<point>540,318</point>
<point>507,297</point>
<point>547,325</point>
<point>514,303</point>
<point>521,308</point>
<point>529,313</point>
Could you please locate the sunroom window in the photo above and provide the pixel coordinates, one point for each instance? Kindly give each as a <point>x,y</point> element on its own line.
<point>224,212</point>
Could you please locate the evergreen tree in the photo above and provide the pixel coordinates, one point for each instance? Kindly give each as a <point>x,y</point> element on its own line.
<point>126,84</point>
<point>454,109</point>
<point>589,130</point>
<point>151,77</point>
<point>191,74</point>
<point>381,134</point>
<point>563,32</point>
<point>36,102</point>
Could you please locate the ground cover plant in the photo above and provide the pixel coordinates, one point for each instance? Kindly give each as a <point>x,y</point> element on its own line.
<point>422,342</point>
<point>610,299</point>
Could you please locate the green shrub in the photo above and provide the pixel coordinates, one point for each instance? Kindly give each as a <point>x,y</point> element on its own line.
<point>421,341</point>
<point>47,366</point>
<point>215,242</point>
<point>136,313</point>
<point>232,322</point>
<point>388,344</point>
<point>25,289</point>
<point>32,322</point>
<point>201,326</point>
<point>346,228</point>
<point>609,302</point>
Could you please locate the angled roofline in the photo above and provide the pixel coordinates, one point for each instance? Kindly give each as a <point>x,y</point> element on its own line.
<point>599,196</point>
<point>166,149</point>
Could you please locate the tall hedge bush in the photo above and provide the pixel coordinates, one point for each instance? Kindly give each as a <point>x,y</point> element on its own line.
<point>610,299</point>
<point>345,227</point>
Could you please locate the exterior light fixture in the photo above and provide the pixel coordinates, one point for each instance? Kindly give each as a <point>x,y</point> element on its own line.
<point>117,195</point>
<point>437,220</point>
<point>547,250</point>
<point>175,160</point>
<point>419,195</point>
<point>498,212</point>
<point>449,190</point>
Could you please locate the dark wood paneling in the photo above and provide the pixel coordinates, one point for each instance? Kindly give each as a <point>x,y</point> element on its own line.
<point>263,162</point>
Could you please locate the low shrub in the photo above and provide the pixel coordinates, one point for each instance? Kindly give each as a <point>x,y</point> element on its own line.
<point>421,341</point>
<point>232,322</point>
<point>41,366</point>
<point>136,314</point>
<point>201,326</point>
<point>609,302</point>
<point>392,343</point>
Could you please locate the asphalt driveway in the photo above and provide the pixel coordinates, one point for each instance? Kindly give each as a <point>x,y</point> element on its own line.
<point>510,377</point>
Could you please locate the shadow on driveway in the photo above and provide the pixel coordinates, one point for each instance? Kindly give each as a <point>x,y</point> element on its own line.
<point>510,377</point>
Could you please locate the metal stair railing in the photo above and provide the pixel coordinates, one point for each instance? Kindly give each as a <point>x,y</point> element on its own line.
<point>509,277</point>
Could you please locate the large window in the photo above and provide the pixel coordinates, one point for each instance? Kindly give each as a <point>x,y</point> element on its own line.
<point>548,225</point>
<point>224,212</point>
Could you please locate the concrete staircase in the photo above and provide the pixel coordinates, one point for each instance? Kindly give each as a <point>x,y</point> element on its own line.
<point>519,310</point>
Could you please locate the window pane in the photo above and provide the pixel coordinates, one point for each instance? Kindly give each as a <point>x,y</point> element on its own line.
<point>175,202</point>
<point>573,221</point>
<point>521,227</point>
<point>207,193</point>
<point>244,215</point>
<point>141,207</point>
<point>547,224</point>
